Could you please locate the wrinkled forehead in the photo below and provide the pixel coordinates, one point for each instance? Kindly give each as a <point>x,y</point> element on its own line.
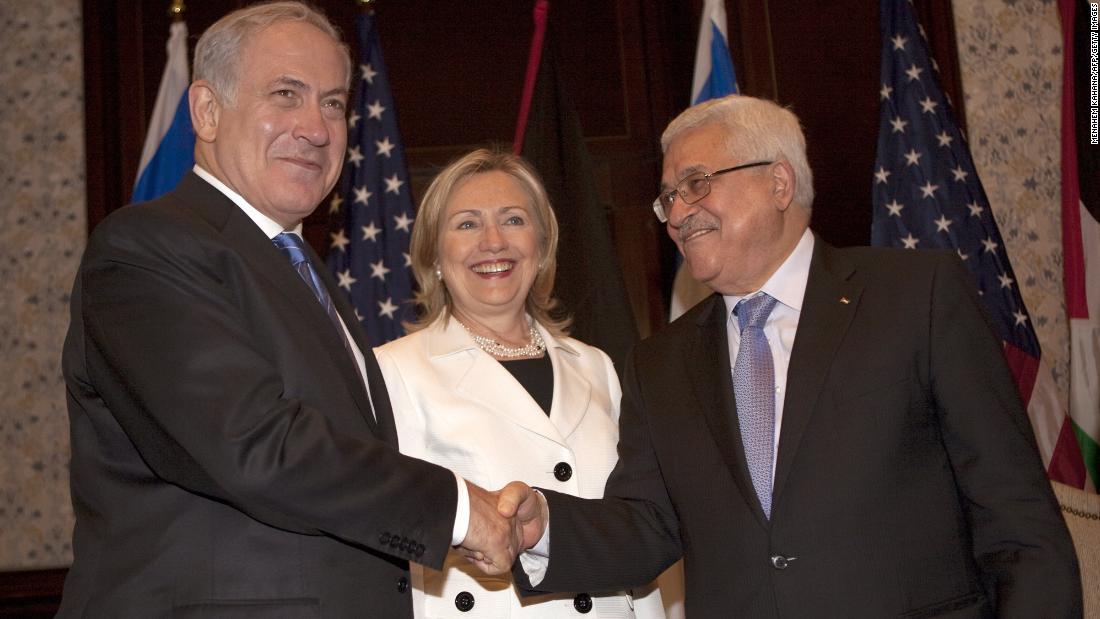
<point>701,149</point>
<point>298,50</point>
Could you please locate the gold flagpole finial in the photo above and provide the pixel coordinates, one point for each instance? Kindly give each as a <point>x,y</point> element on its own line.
<point>176,9</point>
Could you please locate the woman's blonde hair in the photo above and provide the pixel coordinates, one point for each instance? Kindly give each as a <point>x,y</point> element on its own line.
<point>433,299</point>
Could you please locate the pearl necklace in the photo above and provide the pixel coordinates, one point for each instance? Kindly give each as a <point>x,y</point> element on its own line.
<point>532,348</point>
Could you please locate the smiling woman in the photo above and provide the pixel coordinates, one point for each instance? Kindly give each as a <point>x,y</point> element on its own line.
<point>489,384</point>
<point>489,254</point>
<point>485,248</point>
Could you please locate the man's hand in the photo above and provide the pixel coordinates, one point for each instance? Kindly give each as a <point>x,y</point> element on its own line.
<point>527,508</point>
<point>502,524</point>
<point>492,540</point>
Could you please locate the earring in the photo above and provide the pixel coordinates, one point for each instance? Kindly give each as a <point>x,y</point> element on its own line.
<point>439,273</point>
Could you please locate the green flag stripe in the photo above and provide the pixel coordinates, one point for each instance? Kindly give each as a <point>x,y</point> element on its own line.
<point>1090,453</point>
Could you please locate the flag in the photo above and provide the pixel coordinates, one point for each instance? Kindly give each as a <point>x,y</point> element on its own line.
<point>169,150</point>
<point>926,194</point>
<point>372,209</point>
<point>1081,245</point>
<point>714,77</point>
<point>589,281</point>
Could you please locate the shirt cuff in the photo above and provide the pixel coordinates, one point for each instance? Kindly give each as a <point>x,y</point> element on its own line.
<point>536,559</point>
<point>462,513</point>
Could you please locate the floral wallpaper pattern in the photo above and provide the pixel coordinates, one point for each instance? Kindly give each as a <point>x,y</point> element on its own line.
<point>1010,57</point>
<point>42,233</point>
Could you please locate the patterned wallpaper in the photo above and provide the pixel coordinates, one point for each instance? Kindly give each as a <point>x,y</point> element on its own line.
<point>42,233</point>
<point>1010,56</point>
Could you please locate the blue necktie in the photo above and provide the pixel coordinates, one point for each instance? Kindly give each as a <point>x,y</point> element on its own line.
<point>754,389</point>
<point>291,244</point>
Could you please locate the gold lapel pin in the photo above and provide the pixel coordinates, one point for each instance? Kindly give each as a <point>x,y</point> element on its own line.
<point>844,300</point>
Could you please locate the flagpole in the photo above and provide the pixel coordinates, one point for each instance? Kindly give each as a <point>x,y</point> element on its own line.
<point>542,8</point>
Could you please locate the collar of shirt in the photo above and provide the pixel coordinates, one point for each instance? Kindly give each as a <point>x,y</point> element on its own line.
<point>788,284</point>
<point>267,224</point>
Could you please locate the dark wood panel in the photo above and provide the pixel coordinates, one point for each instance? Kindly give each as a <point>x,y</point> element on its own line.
<point>834,89</point>
<point>457,77</point>
<point>32,594</point>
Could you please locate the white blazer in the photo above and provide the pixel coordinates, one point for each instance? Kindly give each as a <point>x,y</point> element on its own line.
<point>456,406</point>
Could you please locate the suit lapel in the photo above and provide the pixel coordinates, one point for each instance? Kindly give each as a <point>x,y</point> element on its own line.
<point>385,427</point>
<point>713,388</point>
<point>244,237</point>
<point>382,418</point>
<point>827,310</point>
<point>572,390</point>
<point>468,370</point>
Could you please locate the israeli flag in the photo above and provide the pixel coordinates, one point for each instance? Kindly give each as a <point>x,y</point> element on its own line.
<point>714,77</point>
<point>170,142</point>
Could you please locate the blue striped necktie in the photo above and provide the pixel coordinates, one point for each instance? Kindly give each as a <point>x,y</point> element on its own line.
<point>291,245</point>
<point>754,390</point>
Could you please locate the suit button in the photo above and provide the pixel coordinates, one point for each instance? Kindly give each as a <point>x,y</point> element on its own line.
<point>780,562</point>
<point>404,545</point>
<point>384,539</point>
<point>419,550</point>
<point>395,541</point>
<point>464,601</point>
<point>402,584</point>
<point>583,603</point>
<point>562,471</point>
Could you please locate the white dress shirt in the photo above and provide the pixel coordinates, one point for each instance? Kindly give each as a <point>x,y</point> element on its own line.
<point>787,286</point>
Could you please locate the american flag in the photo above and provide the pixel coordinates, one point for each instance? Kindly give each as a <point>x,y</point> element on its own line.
<point>926,191</point>
<point>372,209</point>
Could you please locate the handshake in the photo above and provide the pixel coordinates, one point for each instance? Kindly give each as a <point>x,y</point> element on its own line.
<point>502,525</point>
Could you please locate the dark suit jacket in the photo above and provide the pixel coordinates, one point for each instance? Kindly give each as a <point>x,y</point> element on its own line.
<point>908,482</point>
<point>225,462</point>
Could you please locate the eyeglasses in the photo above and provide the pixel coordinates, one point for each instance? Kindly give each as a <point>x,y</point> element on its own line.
<point>692,188</point>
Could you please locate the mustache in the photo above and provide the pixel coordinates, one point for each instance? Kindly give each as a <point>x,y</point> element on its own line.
<point>694,223</point>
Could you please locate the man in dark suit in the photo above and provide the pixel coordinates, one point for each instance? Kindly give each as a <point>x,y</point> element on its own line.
<point>233,447</point>
<point>834,433</point>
